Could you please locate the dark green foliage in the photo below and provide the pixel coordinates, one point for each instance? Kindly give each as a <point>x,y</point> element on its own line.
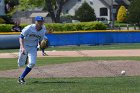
<point>130,0</point>
<point>12,2</point>
<point>134,12</point>
<point>63,27</point>
<point>5,27</point>
<point>12,6</point>
<point>7,18</point>
<point>76,26</point>
<point>53,7</point>
<point>85,13</point>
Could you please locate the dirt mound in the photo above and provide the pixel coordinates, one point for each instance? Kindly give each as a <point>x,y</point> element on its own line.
<point>80,69</point>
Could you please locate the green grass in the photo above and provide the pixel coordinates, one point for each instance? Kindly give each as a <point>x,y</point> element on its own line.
<point>72,85</point>
<point>123,24</point>
<point>11,63</point>
<point>84,47</point>
<point>98,47</point>
<point>8,50</point>
<point>120,24</point>
<point>68,85</point>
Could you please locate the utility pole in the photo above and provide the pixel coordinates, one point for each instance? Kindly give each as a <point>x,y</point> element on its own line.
<point>112,15</point>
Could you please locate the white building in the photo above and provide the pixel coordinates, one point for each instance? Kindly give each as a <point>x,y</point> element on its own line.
<point>102,8</point>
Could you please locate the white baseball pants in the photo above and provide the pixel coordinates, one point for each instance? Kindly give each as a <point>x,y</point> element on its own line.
<point>31,52</point>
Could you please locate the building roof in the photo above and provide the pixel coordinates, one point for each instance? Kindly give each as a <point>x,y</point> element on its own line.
<point>39,14</point>
<point>126,2</point>
<point>116,2</point>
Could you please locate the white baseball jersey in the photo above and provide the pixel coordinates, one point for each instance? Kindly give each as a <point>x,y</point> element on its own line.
<point>32,36</point>
<point>31,39</point>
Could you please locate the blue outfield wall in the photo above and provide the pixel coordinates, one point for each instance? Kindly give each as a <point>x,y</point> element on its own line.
<point>93,38</point>
<point>77,38</point>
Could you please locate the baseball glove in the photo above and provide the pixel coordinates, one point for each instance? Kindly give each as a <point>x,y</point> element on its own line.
<point>43,44</point>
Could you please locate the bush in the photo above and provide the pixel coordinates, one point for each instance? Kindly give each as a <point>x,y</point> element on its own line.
<point>76,26</point>
<point>5,27</point>
<point>63,27</point>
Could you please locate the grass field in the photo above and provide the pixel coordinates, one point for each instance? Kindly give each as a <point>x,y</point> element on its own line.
<point>84,47</point>
<point>11,63</point>
<point>71,85</point>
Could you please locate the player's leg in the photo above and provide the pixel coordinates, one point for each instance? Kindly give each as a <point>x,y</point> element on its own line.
<point>22,59</point>
<point>21,62</point>
<point>44,53</point>
<point>32,53</point>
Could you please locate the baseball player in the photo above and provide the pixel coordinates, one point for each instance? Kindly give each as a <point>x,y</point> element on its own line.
<point>29,39</point>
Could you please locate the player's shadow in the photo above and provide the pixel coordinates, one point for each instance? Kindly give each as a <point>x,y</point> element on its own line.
<point>43,82</point>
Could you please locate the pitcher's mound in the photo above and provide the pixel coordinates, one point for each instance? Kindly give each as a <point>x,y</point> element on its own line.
<point>80,69</point>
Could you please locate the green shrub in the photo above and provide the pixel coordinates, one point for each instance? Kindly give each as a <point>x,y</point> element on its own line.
<point>63,27</point>
<point>23,25</point>
<point>55,27</point>
<point>76,26</point>
<point>5,27</point>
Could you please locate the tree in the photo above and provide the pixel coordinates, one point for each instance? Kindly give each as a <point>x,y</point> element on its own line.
<point>10,5</point>
<point>121,16</point>
<point>134,12</point>
<point>54,7</point>
<point>12,2</point>
<point>85,13</point>
<point>130,0</point>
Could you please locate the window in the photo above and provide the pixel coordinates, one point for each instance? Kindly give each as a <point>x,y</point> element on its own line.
<point>103,12</point>
<point>67,11</point>
<point>91,2</point>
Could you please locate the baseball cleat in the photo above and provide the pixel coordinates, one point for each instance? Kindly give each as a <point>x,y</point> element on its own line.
<point>44,54</point>
<point>21,81</point>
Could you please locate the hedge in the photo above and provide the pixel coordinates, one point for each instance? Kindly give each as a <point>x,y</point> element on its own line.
<point>5,27</point>
<point>63,27</point>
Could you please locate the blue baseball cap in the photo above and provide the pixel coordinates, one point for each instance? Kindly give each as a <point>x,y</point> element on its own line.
<point>39,18</point>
